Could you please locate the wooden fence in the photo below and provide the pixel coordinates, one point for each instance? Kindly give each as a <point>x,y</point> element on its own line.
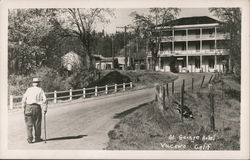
<point>15,101</point>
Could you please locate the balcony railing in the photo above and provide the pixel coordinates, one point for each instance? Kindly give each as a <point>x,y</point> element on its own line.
<point>194,37</point>
<point>194,52</point>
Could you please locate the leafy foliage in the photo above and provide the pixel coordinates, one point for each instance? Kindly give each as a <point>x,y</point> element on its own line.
<point>146,27</point>
<point>232,25</point>
<point>27,27</point>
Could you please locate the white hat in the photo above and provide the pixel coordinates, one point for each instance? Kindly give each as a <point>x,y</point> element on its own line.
<point>35,80</point>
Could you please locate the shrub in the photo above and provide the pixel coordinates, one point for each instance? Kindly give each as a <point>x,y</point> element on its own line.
<point>142,66</point>
<point>111,78</point>
<point>83,77</point>
<point>18,84</point>
<point>129,68</point>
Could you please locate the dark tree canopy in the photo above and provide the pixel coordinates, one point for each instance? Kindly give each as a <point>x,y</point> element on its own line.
<point>232,25</point>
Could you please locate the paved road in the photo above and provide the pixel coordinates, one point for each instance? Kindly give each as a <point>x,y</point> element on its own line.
<point>82,124</point>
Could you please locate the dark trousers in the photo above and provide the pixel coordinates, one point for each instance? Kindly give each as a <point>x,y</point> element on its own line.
<point>33,119</point>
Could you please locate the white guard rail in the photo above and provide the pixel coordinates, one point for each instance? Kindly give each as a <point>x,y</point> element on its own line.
<point>15,101</point>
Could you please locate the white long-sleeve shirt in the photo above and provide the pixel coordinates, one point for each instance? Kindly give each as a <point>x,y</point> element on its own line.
<point>34,94</point>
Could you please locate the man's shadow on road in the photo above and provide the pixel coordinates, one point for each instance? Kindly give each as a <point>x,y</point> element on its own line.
<point>66,138</point>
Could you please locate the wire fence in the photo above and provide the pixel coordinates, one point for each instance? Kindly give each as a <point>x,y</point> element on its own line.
<point>163,92</point>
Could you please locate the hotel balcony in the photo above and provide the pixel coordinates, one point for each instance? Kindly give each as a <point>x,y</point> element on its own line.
<point>194,52</point>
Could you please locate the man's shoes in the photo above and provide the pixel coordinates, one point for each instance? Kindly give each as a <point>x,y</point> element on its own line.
<point>39,140</point>
<point>29,141</point>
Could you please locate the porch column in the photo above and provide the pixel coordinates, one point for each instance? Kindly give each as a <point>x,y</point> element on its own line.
<point>215,62</point>
<point>173,40</point>
<point>186,39</point>
<point>200,39</point>
<point>159,62</point>
<point>215,43</point>
<point>201,62</point>
<point>187,62</point>
<point>147,62</point>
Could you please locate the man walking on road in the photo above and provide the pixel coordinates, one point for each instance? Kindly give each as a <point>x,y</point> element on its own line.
<point>32,100</point>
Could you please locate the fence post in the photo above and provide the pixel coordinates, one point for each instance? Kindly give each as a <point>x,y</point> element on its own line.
<point>182,97</point>
<point>106,89</point>
<point>164,97</point>
<point>157,90</point>
<point>167,89</point>
<point>159,96</point>
<point>211,98</point>
<point>192,84</point>
<point>222,84</point>
<point>124,86</point>
<point>222,87</point>
<point>131,85</point>
<point>11,101</point>
<point>210,79</point>
<point>70,94</point>
<point>84,92</point>
<point>95,90</point>
<point>173,88</point>
<point>202,81</point>
<point>55,96</point>
<point>115,87</point>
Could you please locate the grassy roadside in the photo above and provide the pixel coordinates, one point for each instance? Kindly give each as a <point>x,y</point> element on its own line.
<point>145,78</point>
<point>149,128</point>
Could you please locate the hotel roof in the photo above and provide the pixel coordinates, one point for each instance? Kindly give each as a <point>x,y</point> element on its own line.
<point>191,21</point>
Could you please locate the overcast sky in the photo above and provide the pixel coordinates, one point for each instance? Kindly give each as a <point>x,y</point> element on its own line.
<point>122,17</point>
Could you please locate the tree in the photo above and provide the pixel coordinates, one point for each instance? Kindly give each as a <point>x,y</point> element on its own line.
<point>57,43</point>
<point>81,23</point>
<point>27,27</point>
<point>146,27</point>
<point>231,18</point>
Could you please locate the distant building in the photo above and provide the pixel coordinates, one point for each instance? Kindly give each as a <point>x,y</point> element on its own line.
<point>121,62</point>
<point>102,63</point>
<point>71,60</point>
<point>193,44</point>
<point>106,63</point>
<point>139,63</point>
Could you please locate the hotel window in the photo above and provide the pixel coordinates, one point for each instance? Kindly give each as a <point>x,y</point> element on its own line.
<point>211,62</point>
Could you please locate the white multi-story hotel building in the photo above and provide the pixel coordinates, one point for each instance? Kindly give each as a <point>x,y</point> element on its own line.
<point>193,44</point>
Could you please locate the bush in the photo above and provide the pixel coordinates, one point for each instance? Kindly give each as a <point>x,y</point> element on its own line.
<point>129,68</point>
<point>83,77</point>
<point>18,84</point>
<point>142,66</point>
<point>111,78</point>
<point>50,81</point>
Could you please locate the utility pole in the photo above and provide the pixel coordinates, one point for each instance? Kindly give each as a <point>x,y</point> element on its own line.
<point>125,44</point>
<point>112,49</point>
<point>129,52</point>
<point>137,47</point>
<point>125,47</point>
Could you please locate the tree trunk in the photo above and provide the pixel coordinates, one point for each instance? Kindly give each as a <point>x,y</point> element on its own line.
<point>87,60</point>
<point>230,66</point>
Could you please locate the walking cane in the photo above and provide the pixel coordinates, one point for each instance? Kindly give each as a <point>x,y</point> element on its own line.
<point>44,127</point>
<point>45,123</point>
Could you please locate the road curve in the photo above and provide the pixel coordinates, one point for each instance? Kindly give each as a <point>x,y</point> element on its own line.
<point>82,125</point>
